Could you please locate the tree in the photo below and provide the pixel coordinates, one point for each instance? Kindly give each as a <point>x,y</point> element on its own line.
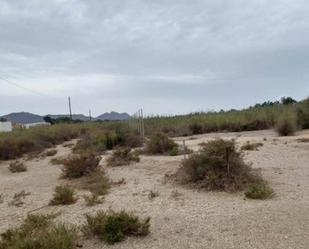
<point>288,101</point>
<point>50,120</point>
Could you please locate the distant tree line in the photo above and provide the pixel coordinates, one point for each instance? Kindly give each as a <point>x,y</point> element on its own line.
<point>283,101</point>
<point>61,120</point>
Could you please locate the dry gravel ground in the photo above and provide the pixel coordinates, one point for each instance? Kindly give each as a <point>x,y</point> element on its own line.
<point>182,217</point>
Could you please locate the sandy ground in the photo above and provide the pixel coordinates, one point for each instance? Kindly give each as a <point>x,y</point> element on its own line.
<point>182,217</point>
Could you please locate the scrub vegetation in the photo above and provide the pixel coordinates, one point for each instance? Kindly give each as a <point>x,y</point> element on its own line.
<point>96,137</point>
<point>39,231</point>
<point>261,116</point>
<point>122,156</point>
<point>218,165</point>
<point>113,227</point>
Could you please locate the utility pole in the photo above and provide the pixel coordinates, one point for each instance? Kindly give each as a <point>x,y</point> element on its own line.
<point>139,123</point>
<point>90,114</point>
<point>70,107</point>
<point>143,127</point>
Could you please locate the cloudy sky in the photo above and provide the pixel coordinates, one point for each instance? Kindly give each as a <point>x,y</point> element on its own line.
<point>166,56</point>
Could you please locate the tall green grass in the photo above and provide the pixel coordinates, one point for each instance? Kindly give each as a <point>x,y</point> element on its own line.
<point>254,118</point>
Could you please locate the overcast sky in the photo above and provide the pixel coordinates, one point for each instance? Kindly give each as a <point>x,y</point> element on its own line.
<point>167,56</point>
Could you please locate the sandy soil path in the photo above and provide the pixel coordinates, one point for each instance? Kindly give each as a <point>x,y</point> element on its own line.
<point>185,218</point>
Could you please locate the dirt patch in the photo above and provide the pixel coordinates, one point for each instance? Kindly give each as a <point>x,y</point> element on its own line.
<point>181,217</point>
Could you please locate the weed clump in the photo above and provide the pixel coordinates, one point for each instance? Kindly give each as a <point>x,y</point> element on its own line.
<point>153,194</point>
<point>18,198</point>
<point>80,165</point>
<point>217,166</point>
<point>122,156</point>
<point>303,140</point>
<point>259,191</point>
<point>160,143</point>
<point>251,146</point>
<point>113,227</point>
<point>97,182</point>
<point>39,232</point>
<point>287,124</point>
<point>63,195</point>
<point>56,161</point>
<point>50,153</point>
<point>16,167</point>
<point>92,200</point>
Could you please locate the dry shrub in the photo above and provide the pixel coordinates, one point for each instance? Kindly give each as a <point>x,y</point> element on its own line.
<point>16,167</point>
<point>113,227</point>
<point>122,156</point>
<point>153,194</point>
<point>50,153</point>
<point>287,124</point>
<point>251,146</point>
<point>217,166</point>
<point>303,140</point>
<point>57,161</point>
<point>160,143</point>
<point>63,195</point>
<point>39,232</point>
<point>92,200</point>
<point>97,182</point>
<point>259,190</point>
<point>19,142</point>
<point>122,181</point>
<point>18,198</point>
<point>80,165</point>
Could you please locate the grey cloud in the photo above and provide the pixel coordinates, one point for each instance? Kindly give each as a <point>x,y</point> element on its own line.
<point>191,54</point>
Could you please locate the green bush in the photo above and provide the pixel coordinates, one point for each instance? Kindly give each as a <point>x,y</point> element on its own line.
<point>80,165</point>
<point>63,195</point>
<point>39,232</point>
<point>217,166</point>
<point>159,143</point>
<point>98,140</point>
<point>113,227</point>
<point>259,191</point>
<point>287,124</point>
<point>174,151</point>
<point>122,156</point>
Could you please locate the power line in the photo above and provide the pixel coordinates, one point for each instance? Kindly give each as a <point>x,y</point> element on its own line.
<point>22,87</point>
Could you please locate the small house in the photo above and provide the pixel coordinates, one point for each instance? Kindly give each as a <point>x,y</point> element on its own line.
<point>6,126</point>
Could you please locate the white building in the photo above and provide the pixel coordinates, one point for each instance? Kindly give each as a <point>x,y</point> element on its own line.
<point>6,126</point>
<point>36,124</point>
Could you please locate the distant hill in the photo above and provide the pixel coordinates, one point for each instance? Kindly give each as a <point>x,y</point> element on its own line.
<point>23,117</point>
<point>26,117</point>
<point>113,116</point>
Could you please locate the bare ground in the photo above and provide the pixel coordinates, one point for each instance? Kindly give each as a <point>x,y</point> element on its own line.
<point>182,217</point>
